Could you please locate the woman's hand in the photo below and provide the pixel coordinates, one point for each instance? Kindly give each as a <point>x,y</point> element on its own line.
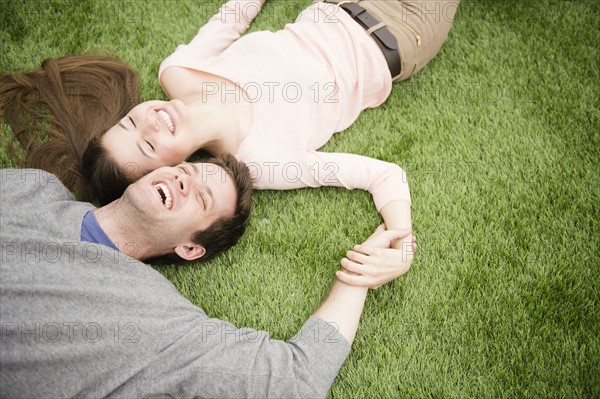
<point>375,262</point>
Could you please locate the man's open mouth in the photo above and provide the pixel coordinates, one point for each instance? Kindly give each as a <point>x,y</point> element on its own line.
<point>165,195</point>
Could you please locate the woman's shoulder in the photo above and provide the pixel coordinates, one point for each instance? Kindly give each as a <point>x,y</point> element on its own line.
<point>180,82</point>
<point>188,83</point>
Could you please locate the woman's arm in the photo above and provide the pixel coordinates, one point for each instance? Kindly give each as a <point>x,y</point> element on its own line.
<point>286,169</point>
<point>396,215</point>
<point>373,268</point>
<point>224,28</point>
<point>387,183</point>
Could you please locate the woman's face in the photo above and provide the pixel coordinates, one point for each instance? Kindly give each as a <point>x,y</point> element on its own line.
<point>151,135</point>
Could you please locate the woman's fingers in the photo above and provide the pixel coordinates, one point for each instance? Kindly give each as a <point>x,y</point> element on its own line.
<point>380,228</point>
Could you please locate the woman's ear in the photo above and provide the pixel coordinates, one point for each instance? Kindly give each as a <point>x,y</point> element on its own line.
<point>190,251</point>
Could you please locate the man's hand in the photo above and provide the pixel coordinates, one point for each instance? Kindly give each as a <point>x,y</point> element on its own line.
<point>375,262</point>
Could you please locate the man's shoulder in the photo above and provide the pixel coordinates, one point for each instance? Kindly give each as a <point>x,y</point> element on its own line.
<point>27,176</point>
<point>27,185</point>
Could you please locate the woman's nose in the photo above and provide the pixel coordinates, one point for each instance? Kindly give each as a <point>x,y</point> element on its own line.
<point>151,123</point>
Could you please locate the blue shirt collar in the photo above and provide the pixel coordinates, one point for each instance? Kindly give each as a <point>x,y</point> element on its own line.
<point>92,232</point>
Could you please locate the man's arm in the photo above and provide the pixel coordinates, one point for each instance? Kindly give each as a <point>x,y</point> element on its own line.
<point>344,305</point>
<point>214,358</point>
<point>343,308</point>
<point>201,356</point>
<point>371,266</point>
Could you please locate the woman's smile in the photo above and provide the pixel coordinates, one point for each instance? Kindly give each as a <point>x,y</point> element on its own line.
<point>167,119</point>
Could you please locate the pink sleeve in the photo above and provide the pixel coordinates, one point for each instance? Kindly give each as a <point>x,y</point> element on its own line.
<point>225,27</point>
<point>300,168</point>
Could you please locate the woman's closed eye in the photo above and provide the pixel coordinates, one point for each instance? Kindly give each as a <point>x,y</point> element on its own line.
<point>132,121</point>
<point>150,145</point>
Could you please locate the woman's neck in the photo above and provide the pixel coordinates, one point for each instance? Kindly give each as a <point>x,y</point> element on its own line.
<point>222,125</point>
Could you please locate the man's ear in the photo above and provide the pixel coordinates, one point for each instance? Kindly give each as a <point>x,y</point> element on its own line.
<point>190,251</point>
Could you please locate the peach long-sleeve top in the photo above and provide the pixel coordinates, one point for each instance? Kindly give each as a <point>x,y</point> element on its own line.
<point>305,82</point>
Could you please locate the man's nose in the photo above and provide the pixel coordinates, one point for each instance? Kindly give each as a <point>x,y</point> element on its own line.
<point>185,183</point>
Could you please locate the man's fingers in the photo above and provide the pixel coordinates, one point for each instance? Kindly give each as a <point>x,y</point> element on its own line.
<point>359,257</point>
<point>396,234</point>
<point>385,238</point>
<point>399,233</point>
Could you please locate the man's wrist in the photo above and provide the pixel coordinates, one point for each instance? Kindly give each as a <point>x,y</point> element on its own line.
<point>339,283</point>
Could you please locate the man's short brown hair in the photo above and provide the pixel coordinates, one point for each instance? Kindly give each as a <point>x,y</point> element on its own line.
<point>225,231</point>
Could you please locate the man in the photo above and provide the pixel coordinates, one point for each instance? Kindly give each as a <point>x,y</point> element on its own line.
<point>79,318</point>
<point>161,209</point>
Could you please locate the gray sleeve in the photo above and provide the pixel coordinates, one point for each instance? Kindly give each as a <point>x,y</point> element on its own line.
<point>215,359</point>
<point>34,185</point>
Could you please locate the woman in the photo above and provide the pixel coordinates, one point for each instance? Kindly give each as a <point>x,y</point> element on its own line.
<point>251,96</point>
<point>273,99</point>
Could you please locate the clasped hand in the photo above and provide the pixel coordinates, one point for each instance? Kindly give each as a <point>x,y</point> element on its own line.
<point>374,262</point>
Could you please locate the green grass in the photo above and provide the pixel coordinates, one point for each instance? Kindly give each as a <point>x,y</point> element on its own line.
<point>500,138</point>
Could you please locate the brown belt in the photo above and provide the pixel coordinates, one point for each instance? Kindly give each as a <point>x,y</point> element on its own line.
<point>382,36</point>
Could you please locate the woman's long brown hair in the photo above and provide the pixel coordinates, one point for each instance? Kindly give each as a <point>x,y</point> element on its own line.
<point>59,112</point>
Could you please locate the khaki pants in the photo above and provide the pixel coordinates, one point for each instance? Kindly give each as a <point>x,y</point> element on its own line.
<point>420,26</point>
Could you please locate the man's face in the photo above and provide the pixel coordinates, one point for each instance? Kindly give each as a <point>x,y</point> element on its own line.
<point>172,203</point>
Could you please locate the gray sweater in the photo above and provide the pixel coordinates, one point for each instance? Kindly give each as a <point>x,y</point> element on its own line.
<point>81,319</point>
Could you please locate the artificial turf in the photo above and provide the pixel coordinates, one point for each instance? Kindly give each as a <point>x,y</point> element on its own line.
<point>499,136</point>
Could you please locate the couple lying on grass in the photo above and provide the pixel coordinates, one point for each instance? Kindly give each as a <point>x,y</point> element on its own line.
<point>271,99</point>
